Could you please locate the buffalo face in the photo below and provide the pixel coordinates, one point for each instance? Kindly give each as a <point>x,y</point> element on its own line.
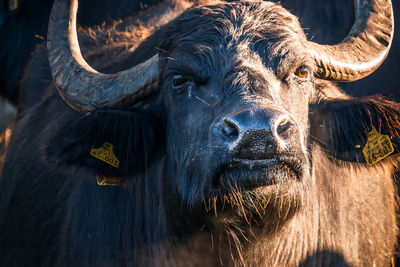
<point>236,102</point>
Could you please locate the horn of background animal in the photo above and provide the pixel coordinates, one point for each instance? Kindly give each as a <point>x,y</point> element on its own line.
<point>82,87</point>
<point>363,50</point>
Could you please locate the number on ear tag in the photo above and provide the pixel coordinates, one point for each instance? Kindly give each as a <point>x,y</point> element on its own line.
<point>105,154</point>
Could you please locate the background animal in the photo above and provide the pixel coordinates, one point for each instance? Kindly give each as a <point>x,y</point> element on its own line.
<point>231,148</point>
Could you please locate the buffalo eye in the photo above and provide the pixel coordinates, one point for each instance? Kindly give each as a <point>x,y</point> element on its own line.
<point>179,80</point>
<point>302,72</point>
<point>178,83</point>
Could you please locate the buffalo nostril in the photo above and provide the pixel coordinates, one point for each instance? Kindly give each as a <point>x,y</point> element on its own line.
<point>283,126</point>
<point>230,130</point>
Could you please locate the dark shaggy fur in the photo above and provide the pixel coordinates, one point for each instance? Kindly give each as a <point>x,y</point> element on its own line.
<point>336,211</point>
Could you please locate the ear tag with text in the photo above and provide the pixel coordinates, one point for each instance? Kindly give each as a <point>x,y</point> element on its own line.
<point>105,154</point>
<point>109,181</point>
<point>377,147</point>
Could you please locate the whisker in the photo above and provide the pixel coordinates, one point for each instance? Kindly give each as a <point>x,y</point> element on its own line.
<point>202,101</point>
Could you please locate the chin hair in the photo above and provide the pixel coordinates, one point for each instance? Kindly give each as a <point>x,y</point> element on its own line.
<point>265,205</point>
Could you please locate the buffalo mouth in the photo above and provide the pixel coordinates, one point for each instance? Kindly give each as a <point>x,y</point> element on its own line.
<point>246,175</point>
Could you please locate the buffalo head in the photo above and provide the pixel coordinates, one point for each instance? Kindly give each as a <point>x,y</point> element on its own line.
<point>233,83</point>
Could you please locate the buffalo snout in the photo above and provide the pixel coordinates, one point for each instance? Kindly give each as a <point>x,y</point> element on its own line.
<point>254,133</point>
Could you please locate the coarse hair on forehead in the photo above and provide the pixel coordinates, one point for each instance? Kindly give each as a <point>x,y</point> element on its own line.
<point>228,24</point>
<point>219,35</point>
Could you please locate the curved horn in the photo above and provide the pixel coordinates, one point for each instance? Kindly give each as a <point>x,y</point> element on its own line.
<point>363,50</point>
<point>82,87</point>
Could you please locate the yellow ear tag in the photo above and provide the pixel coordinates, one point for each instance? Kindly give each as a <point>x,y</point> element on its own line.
<point>378,147</point>
<point>105,154</point>
<point>113,181</point>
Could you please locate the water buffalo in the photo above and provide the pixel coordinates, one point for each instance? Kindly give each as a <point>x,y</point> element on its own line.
<point>210,134</point>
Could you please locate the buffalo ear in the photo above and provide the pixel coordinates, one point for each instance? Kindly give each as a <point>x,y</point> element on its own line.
<point>342,126</point>
<point>110,142</point>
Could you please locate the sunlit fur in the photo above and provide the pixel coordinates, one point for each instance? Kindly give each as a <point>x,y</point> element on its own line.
<point>340,212</point>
